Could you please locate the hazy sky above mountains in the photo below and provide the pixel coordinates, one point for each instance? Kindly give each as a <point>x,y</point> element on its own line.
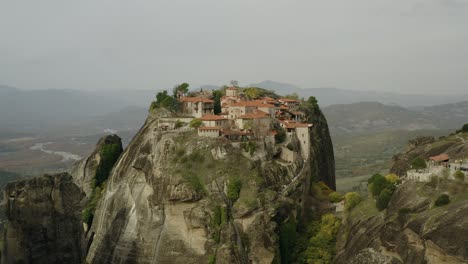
<point>408,46</point>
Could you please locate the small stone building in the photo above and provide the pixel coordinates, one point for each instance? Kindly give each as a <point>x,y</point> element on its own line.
<point>209,131</point>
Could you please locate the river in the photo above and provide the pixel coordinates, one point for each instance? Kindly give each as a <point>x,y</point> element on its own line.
<point>66,156</point>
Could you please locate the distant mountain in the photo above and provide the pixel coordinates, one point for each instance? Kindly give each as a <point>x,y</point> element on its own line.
<point>278,87</point>
<point>40,110</point>
<point>368,117</point>
<point>329,96</point>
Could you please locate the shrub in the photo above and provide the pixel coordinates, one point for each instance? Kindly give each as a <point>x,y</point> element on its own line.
<point>280,137</point>
<point>377,183</point>
<point>383,199</point>
<point>195,182</point>
<point>392,178</point>
<point>351,200</point>
<point>404,211</point>
<point>178,124</point>
<point>321,248</point>
<point>196,123</point>
<point>109,155</point>
<point>233,189</point>
<point>335,197</point>
<point>459,175</point>
<point>442,200</point>
<point>211,259</point>
<point>418,163</point>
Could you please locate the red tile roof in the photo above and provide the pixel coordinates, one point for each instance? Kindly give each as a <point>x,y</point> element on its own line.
<point>196,99</point>
<point>210,128</point>
<point>253,104</point>
<point>441,157</point>
<point>257,114</point>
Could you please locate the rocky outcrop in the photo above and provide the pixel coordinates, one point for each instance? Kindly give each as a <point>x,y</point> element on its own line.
<point>322,159</point>
<point>410,231</point>
<point>84,171</point>
<point>170,199</point>
<point>44,214</point>
<point>425,147</point>
<point>44,221</point>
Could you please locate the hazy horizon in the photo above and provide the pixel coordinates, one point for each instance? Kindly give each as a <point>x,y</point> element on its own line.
<point>412,46</point>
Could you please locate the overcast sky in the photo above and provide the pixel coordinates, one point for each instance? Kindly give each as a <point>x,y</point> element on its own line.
<point>385,45</point>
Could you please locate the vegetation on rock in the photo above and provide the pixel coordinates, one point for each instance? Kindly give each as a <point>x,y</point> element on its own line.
<point>418,163</point>
<point>233,189</point>
<point>109,155</point>
<point>351,200</point>
<point>382,188</point>
<point>442,200</point>
<point>335,197</point>
<point>196,123</point>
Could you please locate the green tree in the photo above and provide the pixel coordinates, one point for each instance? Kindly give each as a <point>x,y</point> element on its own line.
<point>252,92</point>
<point>465,128</point>
<point>377,183</point>
<point>233,189</point>
<point>418,163</point>
<point>392,178</point>
<point>183,88</point>
<point>335,197</point>
<point>164,100</point>
<point>196,123</point>
<point>442,200</point>
<point>383,199</point>
<point>217,94</point>
<point>351,200</point>
<point>321,247</point>
<point>293,96</point>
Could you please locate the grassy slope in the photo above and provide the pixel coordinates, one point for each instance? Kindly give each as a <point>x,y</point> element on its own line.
<point>359,156</point>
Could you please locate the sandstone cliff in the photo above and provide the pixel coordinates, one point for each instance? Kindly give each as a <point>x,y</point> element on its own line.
<point>44,216</point>
<point>322,157</point>
<point>171,198</point>
<point>84,171</point>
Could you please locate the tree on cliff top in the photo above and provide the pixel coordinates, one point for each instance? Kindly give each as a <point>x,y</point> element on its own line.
<point>164,100</point>
<point>183,88</point>
<point>463,129</point>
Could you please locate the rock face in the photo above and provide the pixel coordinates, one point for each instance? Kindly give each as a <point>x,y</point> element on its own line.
<point>455,146</point>
<point>170,199</point>
<point>418,234</point>
<point>44,216</point>
<point>84,170</point>
<point>322,158</point>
